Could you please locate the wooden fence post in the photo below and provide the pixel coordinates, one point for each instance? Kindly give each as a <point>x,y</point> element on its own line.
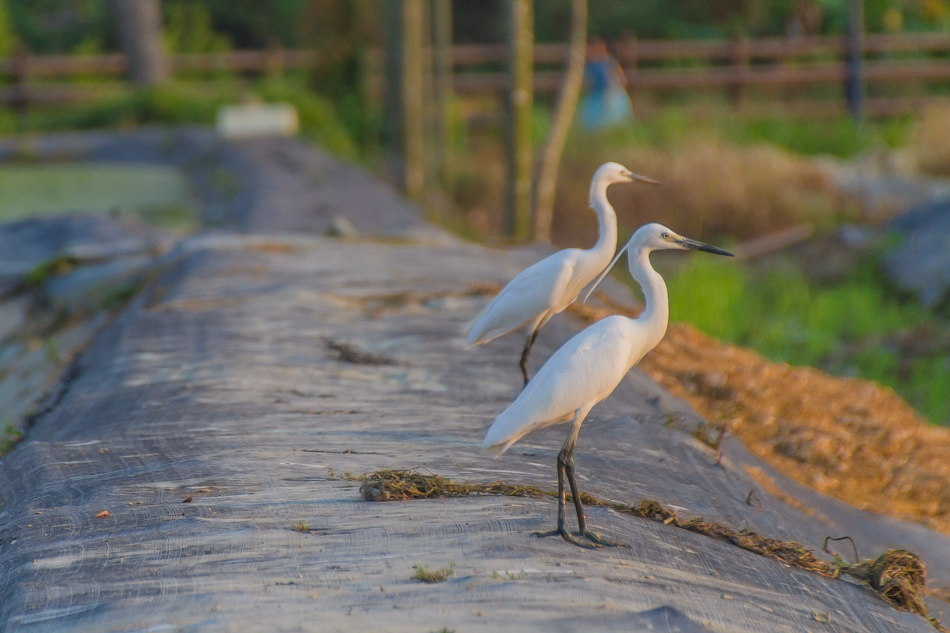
<point>629,59</point>
<point>854,88</point>
<point>274,60</point>
<point>517,222</point>
<point>442,81</point>
<point>740,67</point>
<point>20,99</point>
<point>404,94</point>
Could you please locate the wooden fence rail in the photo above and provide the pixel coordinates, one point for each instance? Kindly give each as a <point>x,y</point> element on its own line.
<point>765,63</point>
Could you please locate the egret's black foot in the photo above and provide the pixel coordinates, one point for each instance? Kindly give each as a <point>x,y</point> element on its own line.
<point>567,536</point>
<point>603,541</point>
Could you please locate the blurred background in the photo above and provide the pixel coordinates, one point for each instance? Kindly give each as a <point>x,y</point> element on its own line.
<point>811,136</point>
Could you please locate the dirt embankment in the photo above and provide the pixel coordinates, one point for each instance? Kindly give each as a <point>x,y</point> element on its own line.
<point>851,439</point>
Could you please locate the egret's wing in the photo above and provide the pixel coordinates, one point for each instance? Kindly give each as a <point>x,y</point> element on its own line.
<point>531,293</point>
<point>584,371</point>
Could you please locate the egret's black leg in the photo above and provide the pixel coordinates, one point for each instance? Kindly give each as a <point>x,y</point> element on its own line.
<point>581,519</point>
<point>524,355</point>
<point>561,508</point>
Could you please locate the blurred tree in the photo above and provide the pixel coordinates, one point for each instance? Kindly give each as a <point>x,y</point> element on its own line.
<point>139,28</point>
<point>477,21</point>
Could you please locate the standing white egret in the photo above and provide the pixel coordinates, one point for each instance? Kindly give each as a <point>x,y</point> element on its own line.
<point>586,369</point>
<point>546,288</point>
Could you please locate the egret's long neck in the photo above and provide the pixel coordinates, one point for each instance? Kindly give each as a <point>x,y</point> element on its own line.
<point>607,219</point>
<point>656,314</point>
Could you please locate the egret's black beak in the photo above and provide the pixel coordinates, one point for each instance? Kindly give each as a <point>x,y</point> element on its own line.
<point>699,246</point>
<point>638,178</point>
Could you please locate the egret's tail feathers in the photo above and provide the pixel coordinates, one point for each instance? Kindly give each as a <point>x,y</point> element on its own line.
<point>467,328</point>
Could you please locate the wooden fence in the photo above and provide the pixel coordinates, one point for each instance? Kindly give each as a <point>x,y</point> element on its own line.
<point>39,79</point>
<point>650,65</point>
<point>765,64</point>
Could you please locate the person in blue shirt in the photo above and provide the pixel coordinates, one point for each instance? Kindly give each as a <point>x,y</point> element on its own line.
<point>607,103</point>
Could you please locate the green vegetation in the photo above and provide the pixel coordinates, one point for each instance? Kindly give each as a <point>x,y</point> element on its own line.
<point>300,526</point>
<point>675,126</point>
<point>31,190</point>
<point>851,328</point>
<point>9,436</point>
<point>181,103</point>
<point>49,268</point>
<point>433,575</point>
<point>120,295</point>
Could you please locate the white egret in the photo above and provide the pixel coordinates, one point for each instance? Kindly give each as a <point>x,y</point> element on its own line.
<point>586,369</point>
<point>546,288</point>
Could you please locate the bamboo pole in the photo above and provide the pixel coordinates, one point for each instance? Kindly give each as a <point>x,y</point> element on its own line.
<point>564,115</point>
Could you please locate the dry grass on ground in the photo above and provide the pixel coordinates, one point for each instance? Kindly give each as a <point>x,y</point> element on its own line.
<point>850,439</point>
<point>928,144</point>
<point>709,188</point>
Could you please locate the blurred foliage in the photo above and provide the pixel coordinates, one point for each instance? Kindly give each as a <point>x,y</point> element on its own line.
<point>673,126</point>
<point>852,327</point>
<point>188,103</point>
<point>188,30</point>
<point>257,24</point>
<point>343,31</point>
<point>339,26</point>
<point>7,36</point>
<point>60,26</point>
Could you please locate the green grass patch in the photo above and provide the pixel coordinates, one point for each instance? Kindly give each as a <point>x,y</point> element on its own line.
<point>676,126</point>
<point>850,328</point>
<point>44,189</point>
<point>50,268</point>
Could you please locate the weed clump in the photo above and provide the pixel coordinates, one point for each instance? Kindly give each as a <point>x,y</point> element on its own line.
<point>300,526</point>
<point>349,353</point>
<point>430,576</point>
<point>897,576</point>
<point>403,485</point>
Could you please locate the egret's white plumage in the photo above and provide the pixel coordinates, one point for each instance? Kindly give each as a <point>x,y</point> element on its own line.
<point>586,369</point>
<point>549,286</point>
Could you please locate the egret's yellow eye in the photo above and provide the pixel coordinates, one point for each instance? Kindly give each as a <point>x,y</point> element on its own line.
<point>665,236</point>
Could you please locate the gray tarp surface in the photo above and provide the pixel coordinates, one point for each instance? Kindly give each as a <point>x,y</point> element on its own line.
<point>216,385</point>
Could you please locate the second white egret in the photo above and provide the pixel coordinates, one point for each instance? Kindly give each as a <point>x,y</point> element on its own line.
<point>586,369</point>
<point>546,288</point>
